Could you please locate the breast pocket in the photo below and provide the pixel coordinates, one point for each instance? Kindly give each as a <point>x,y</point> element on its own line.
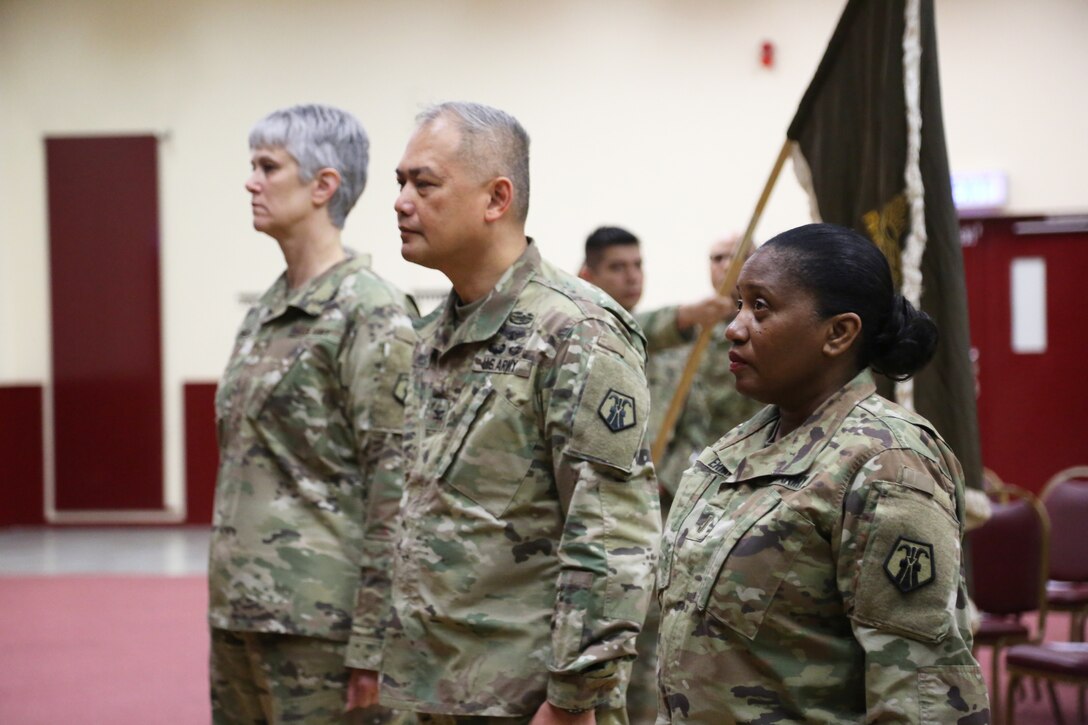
<point>274,376</point>
<point>752,559</point>
<point>490,451</point>
<point>297,404</point>
<point>252,382</point>
<point>684,519</point>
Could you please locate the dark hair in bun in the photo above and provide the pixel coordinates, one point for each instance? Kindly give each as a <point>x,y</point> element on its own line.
<point>846,272</point>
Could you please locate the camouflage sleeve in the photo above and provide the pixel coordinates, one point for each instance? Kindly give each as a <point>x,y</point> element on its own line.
<point>660,329</point>
<point>376,368</point>
<point>596,423</point>
<point>901,574</point>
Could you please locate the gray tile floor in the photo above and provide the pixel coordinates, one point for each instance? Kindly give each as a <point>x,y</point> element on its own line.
<point>170,551</point>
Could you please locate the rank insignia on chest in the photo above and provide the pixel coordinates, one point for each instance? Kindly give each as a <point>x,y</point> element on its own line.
<point>909,564</point>
<point>617,410</point>
<point>435,411</point>
<point>513,332</point>
<point>400,388</point>
<point>520,318</point>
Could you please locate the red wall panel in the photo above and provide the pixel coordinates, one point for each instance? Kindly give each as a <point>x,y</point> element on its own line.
<point>201,452</point>
<point>104,290</point>
<point>22,483</point>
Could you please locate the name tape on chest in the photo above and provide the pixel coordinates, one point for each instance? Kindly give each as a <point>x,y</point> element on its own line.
<point>503,365</point>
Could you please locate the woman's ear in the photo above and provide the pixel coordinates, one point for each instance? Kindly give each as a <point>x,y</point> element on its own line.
<point>326,182</point>
<point>842,330</point>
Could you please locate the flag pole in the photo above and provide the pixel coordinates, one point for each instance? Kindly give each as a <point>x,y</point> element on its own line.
<point>664,435</point>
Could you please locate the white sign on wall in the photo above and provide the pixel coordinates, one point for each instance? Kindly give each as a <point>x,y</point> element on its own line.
<point>980,190</point>
<point>1028,298</point>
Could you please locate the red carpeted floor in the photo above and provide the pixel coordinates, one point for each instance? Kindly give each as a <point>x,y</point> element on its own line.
<point>110,650</point>
<point>127,649</point>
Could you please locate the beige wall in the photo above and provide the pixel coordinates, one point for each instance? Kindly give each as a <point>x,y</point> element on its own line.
<point>654,115</point>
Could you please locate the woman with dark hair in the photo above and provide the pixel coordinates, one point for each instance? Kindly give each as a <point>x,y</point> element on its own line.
<point>811,568</point>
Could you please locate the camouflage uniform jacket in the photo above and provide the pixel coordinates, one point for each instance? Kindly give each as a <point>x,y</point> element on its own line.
<point>309,418</point>
<point>659,327</point>
<point>713,406</point>
<point>530,519</point>
<point>819,578</point>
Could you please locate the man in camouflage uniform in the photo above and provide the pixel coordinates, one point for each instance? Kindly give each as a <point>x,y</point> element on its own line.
<point>529,516</point>
<point>310,417</point>
<point>818,578</point>
<point>713,406</point>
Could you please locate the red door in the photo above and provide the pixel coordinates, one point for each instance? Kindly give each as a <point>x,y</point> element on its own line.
<point>1029,332</point>
<point>106,340</point>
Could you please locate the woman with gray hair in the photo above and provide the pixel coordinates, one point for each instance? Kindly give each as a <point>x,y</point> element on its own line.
<point>309,415</point>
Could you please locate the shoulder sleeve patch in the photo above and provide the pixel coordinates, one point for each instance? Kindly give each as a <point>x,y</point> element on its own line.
<point>380,387</point>
<point>400,388</point>
<point>610,421</point>
<point>909,564</point>
<point>910,568</point>
<point>618,410</point>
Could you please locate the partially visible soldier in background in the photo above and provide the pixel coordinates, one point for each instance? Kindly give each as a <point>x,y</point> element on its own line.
<point>614,263</point>
<point>713,405</point>
<point>310,418</point>
<point>530,519</point>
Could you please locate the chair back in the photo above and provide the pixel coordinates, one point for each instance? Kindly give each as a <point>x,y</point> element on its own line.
<point>1066,499</point>
<point>1009,556</point>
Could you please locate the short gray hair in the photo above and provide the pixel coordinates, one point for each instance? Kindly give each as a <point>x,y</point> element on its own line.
<point>320,137</point>
<point>493,141</point>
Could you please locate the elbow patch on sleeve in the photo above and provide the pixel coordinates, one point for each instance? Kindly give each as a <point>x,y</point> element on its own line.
<point>610,421</point>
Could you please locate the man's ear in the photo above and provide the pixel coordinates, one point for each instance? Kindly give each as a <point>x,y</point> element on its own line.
<point>500,196</point>
<point>326,182</point>
<point>585,274</point>
<point>842,330</point>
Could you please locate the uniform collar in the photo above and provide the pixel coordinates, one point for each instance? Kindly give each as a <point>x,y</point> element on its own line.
<point>747,454</point>
<point>486,320</point>
<point>313,297</point>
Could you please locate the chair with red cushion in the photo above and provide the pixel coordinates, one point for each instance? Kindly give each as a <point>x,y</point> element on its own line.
<point>1066,499</point>
<point>1050,661</point>
<point>1009,570</point>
